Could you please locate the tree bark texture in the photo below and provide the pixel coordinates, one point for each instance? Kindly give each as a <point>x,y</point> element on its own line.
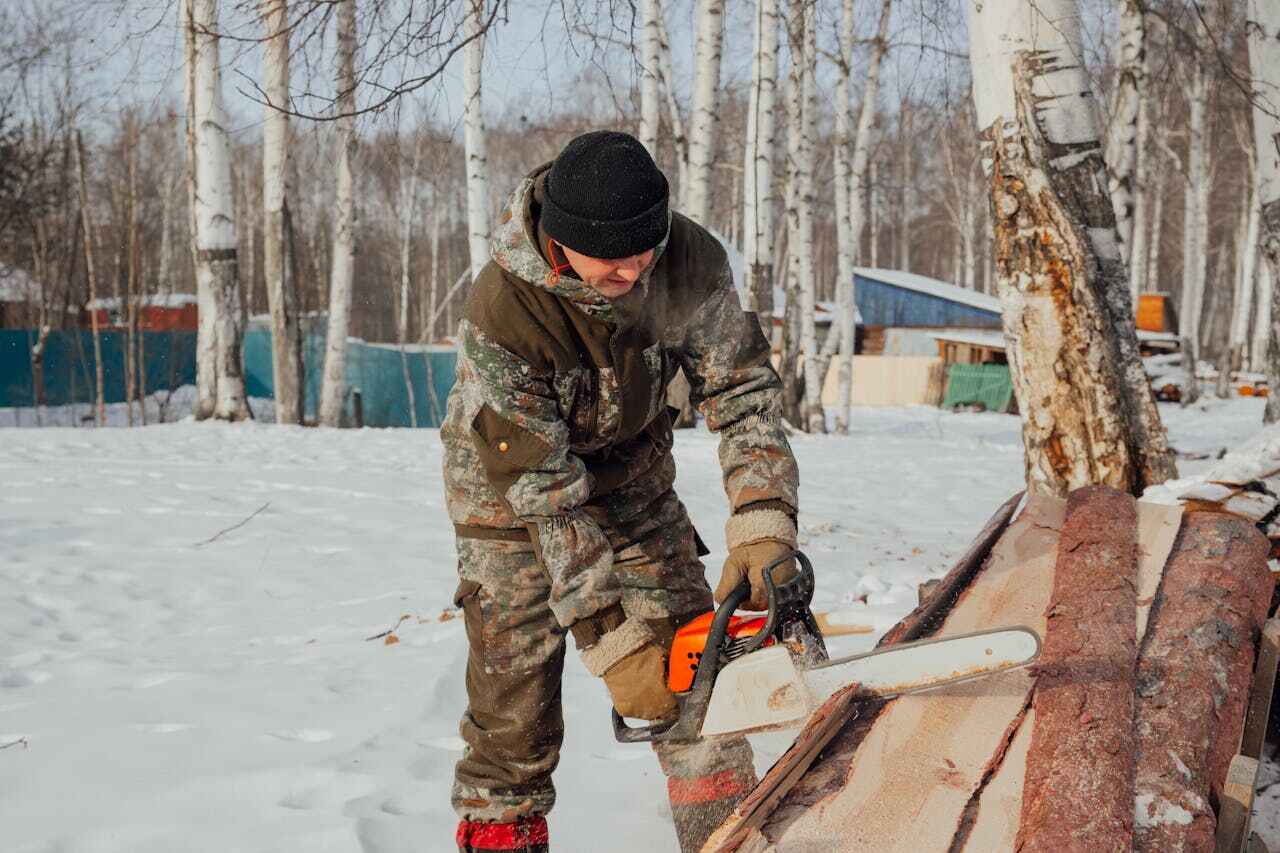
<point>219,380</point>
<point>1123,133</point>
<point>1264,62</point>
<point>333,390</point>
<point>1078,789</point>
<point>702,118</point>
<point>91,274</point>
<point>475,140</point>
<point>1195,220</point>
<point>278,258</point>
<point>845,235</point>
<point>1088,414</point>
<point>757,192</point>
<point>1193,678</point>
<point>650,93</point>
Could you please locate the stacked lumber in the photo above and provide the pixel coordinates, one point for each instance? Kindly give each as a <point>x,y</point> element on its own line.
<point>1120,738</point>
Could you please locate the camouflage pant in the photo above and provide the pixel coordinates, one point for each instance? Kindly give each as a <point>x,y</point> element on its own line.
<point>513,725</point>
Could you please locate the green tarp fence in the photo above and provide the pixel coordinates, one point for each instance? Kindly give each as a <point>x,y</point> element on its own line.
<point>69,368</point>
<point>376,370</point>
<point>988,384</point>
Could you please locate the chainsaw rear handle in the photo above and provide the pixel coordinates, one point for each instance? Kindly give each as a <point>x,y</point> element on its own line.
<point>692,706</point>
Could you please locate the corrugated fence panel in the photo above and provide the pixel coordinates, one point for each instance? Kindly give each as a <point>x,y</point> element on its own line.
<point>69,369</point>
<point>988,384</point>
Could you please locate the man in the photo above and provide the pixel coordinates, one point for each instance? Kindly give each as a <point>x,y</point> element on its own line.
<point>559,474</point>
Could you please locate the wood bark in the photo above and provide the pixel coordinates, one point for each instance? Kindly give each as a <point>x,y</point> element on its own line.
<point>650,93</point>
<point>846,238</point>
<point>758,199</point>
<point>1261,335</point>
<point>91,274</point>
<point>1264,61</point>
<point>408,202</point>
<point>1088,414</point>
<point>219,380</point>
<point>702,118</point>
<point>476,141</point>
<point>1124,132</point>
<point>279,260</point>
<point>1078,789</point>
<point>1195,221</point>
<point>1193,679</point>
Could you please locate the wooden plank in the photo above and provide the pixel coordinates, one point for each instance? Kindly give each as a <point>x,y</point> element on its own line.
<point>839,713</point>
<point>1158,526</point>
<point>1237,805</point>
<point>928,753</point>
<point>1264,683</point>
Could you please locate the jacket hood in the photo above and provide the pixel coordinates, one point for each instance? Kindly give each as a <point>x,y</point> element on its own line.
<point>514,247</point>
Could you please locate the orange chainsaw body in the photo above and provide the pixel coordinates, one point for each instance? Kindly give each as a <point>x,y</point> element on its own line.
<point>691,639</point>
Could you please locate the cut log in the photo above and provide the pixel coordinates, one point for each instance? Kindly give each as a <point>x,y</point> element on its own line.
<point>1193,679</point>
<point>1078,788</point>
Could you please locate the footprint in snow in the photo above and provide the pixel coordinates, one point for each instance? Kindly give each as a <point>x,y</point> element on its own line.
<point>302,735</point>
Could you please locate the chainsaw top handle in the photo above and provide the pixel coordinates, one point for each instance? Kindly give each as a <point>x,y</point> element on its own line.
<point>788,602</point>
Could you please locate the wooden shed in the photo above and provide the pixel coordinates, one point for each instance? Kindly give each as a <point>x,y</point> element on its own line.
<point>900,309</point>
<point>168,312</point>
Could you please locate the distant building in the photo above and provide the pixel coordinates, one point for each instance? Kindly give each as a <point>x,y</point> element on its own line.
<point>902,311</point>
<point>167,312</point>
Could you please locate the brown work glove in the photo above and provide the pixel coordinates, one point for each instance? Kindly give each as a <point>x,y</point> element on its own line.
<point>756,539</point>
<point>625,653</point>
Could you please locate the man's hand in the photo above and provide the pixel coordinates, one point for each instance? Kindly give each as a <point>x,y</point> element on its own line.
<point>756,540</point>
<point>625,653</point>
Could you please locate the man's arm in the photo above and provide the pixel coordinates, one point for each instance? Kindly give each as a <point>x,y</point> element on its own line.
<point>524,446</point>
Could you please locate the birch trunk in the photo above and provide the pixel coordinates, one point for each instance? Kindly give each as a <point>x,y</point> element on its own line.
<point>757,175</point>
<point>1139,267</point>
<point>702,118</point>
<point>1258,346</point>
<point>873,214</point>
<point>845,237</point>
<point>650,94</point>
<point>219,382</point>
<point>1242,302</point>
<point>91,274</point>
<point>1195,227</point>
<point>408,196</point>
<point>333,391</point>
<point>1264,61</point>
<point>1123,134</point>
<point>1151,277</point>
<point>1088,414</point>
<point>279,262</point>
<point>804,110</point>
<point>477,156</point>
<point>131,281</point>
<point>678,137</point>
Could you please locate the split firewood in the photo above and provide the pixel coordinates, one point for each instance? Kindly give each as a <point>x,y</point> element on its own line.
<point>1244,483</point>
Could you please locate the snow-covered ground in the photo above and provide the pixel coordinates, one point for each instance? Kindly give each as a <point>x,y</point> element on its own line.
<point>184,612</point>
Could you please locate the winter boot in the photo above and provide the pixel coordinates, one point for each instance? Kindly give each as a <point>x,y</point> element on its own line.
<point>526,835</point>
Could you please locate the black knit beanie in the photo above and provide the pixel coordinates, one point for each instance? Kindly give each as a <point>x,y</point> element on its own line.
<point>605,197</point>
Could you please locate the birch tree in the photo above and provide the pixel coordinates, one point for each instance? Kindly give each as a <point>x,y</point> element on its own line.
<point>1088,415</point>
<point>846,237</point>
<point>279,259</point>
<point>757,192</point>
<point>703,118</point>
<point>333,391</point>
<point>1195,220</point>
<point>650,93</point>
<point>1123,134</point>
<point>1261,335</point>
<point>219,383</point>
<point>477,156</point>
<point>1264,61</point>
<point>91,274</point>
<point>408,193</point>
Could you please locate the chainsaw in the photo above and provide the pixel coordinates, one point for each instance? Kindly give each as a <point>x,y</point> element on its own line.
<point>734,675</point>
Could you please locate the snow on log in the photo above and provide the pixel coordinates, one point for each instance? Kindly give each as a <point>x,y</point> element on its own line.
<point>1078,788</point>
<point>1120,738</point>
<point>1193,679</point>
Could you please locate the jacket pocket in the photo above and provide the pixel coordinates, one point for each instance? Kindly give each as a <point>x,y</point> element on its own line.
<point>506,449</point>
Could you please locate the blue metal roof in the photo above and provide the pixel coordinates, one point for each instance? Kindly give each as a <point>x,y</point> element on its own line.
<point>910,300</point>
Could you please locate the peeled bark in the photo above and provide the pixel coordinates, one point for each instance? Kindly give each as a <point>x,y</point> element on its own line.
<point>650,95</point>
<point>333,391</point>
<point>1088,414</point>
<point>1264,61</point>
<point>703,118</point>
<point>757,191</point>
<point>278,258</point>
<point>219,382</point>
<point>476,146</point>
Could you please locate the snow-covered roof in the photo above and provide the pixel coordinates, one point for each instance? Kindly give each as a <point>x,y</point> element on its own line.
<point>153,300</point>
<point>931,287</point>
<point>1144,335</point>
<point>975,337</point>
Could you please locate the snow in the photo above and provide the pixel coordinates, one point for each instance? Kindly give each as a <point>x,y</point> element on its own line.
<point>180,673</point>
<point>156,300</point>
<point>975,337</point>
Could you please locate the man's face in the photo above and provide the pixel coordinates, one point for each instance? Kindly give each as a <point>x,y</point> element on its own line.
<point>610,278</point>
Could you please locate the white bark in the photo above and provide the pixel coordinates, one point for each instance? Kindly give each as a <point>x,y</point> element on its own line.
<point>91,276</point>
<point>1258,345</point>
<point>1242,303</point>
<point>333,390</point>
<point>703,119</point>
<point>845,236</point>
<point>650,94</point>
<point>477,156</point>
<point>678,137</point>
<point>1151,277</point>
<point>1088,414</point>
<point>757,177</point>
<point>278,259</point>
<point>219,383</point>
<point>1123,134</point>
<point>408,201</point>
<point>1264,61</point>
<point>803,115</point>
<point>1195,221</point>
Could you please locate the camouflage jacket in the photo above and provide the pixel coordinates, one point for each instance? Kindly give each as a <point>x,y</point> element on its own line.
<point>557,426</point>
